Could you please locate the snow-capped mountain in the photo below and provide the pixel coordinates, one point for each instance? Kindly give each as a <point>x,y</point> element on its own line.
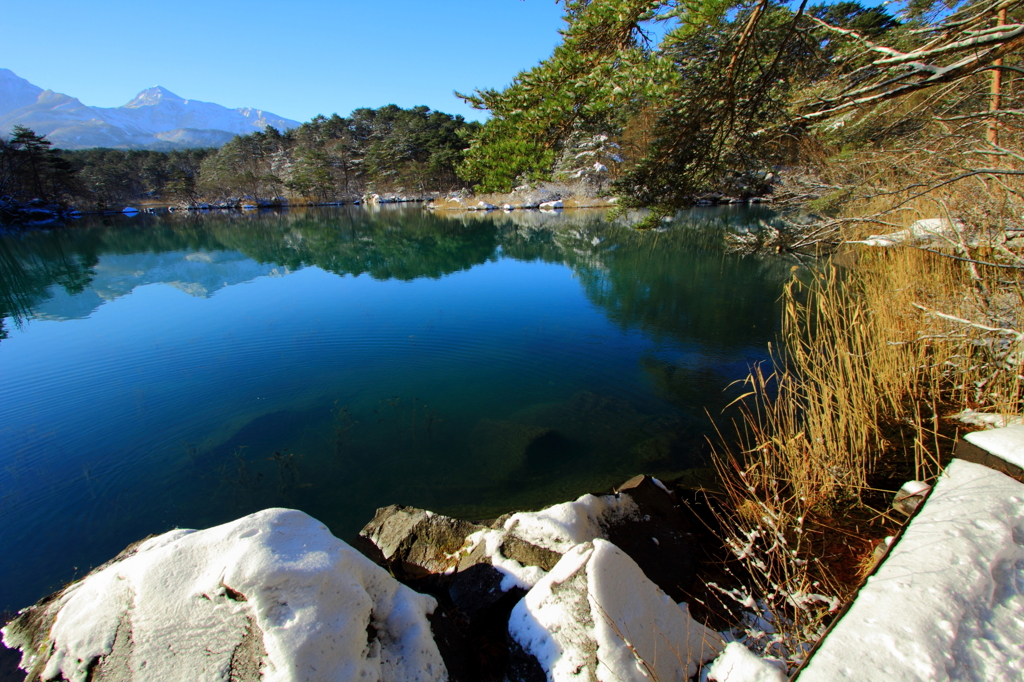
<point>155,119</point>
<point>16,92</point>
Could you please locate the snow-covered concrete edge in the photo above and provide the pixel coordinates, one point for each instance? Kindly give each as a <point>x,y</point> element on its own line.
<point>944,603</point>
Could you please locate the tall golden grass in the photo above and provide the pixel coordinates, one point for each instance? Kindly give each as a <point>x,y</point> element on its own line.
<point>880,349</point>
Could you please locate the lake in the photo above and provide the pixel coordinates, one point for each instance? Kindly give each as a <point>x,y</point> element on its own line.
<point>181,371</point>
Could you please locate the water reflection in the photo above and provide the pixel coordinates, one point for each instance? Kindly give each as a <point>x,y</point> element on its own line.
<point>184,370</point>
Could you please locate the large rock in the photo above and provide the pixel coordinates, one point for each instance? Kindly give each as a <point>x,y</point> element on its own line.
<point>497,565</point>
<point>596,616</point>
<point>642,518</point>
<point>415,542</point>
<point>272,596</point>
<point>533,198</point>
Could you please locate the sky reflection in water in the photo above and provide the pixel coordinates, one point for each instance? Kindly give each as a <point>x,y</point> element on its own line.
<point>185,371</point>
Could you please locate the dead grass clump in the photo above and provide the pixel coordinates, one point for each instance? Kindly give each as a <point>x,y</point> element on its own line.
<point>877,356</point>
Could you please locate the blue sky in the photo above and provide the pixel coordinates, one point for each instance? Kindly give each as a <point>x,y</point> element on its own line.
<point>295,59</point>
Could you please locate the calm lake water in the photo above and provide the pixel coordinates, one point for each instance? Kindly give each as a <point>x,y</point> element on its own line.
<point>184,371</point>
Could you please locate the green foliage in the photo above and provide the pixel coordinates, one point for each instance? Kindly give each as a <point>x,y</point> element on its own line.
<point>593,81</point>
<point>726,116</point>
<point>114,177</point>
<point>245,165</point>
<point>31,169</point>
<point>707,109</point>
<point>327,159</point>
<point>868,21</point>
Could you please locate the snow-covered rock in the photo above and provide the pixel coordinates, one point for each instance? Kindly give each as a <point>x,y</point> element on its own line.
<point>948,602</point>
<point>272,596</point>
<point>924,230</point>
<point>552,205</point>
<point>597,616</point>
<point>536,540</point>
<point>910,496</point>
<point>484,206</point>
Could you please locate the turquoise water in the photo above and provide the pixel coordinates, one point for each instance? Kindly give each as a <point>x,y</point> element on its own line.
<point>183,371</point>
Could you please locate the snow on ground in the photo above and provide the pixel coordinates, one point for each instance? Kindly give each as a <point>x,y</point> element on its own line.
<point>928,229</point>
<point>563,526</point>
<point>1007,444</point>
<point>988,419</point>
<point>737,663</point>
<point>948,603</point>
<point>514,574</point>
<point>597,616</point>
<point>558,528</point>
<point>180,607</point>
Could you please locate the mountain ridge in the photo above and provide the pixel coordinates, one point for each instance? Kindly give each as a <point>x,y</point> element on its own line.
<point>156,118</point>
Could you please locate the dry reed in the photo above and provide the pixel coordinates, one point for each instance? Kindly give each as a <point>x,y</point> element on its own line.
<point>880,349</point>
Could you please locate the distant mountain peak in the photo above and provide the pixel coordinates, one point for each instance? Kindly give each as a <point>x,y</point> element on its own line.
<point>16,92</point>
<point>156,118</point>
<point>151,96</point>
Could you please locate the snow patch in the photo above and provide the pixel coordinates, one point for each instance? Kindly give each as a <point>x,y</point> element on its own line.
<point>948,602</point>
<point>324,610</point>
<point>514,574</point>
<point>925,230</point>
<point>563,526</point>
<point>558,528</point>
<point>1007,444</point>
<point>738,664</point>
<point>597,611</point>
<point>988,419</point>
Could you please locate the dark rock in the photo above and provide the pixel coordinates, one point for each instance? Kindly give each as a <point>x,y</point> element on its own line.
<point>522,666</point>
<point>528,554</point>
<point>971,452</point>
<point>475,589</point>
<point>455,650</point>
<point>470,624</point>
<point>659,538</point>
<point>414,542</point>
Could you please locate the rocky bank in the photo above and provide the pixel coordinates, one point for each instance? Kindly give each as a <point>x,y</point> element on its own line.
<point>596,588</point>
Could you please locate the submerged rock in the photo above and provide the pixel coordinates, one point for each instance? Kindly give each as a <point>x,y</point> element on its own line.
<point>271,596</point>
<point>505,447</point>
